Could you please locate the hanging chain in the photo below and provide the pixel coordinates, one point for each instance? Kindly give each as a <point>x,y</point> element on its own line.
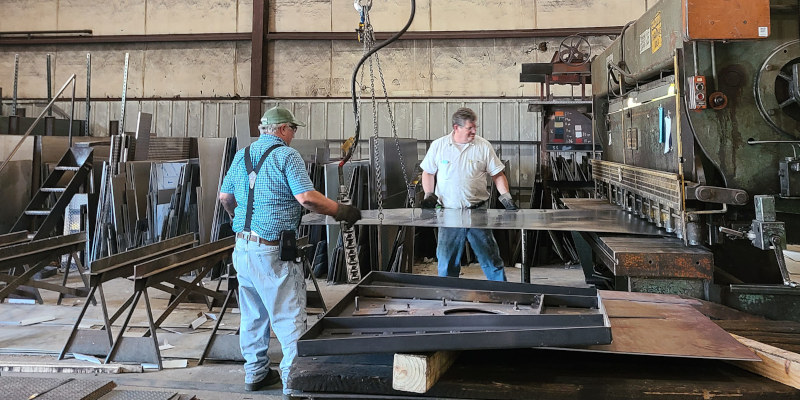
<point>409,186</point>
<point>369,40</point>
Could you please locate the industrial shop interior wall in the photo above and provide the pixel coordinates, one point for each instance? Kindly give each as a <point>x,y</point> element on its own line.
<point>296,68</point>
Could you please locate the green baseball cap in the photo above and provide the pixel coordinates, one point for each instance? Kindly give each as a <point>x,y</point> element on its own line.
<point>279,115</point>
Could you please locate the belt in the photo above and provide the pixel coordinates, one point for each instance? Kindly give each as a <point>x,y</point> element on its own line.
<point>255,238</point>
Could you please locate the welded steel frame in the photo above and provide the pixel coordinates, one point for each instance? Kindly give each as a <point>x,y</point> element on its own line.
<point>146,274</point>
<point>581,320</point>
<point>117,266</point>
<point>36,255</point>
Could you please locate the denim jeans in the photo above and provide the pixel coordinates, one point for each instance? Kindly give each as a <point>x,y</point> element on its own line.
<point>270,290</point>
<point>451,248</point>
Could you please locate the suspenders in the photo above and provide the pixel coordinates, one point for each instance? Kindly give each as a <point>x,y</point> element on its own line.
<point>251,175</point>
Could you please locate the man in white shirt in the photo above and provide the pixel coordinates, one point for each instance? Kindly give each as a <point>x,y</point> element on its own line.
<point>456,165</point>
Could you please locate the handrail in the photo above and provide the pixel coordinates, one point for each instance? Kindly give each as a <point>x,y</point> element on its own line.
<point>33,125</point>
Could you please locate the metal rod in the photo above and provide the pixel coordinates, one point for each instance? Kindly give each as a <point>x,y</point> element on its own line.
<point>88,87</point>
<point>694,56</point>
<point>71,112</point>
<point>679,140</point>
<point>714,66</point>
<point>49,85</point>
<point>14,97</point>
<point>33,125</point>
<point>772,141</point>
<point>124,93</point>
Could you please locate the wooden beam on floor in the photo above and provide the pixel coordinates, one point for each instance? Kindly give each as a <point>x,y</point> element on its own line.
<point>417,373</point>
<point>777,364</point>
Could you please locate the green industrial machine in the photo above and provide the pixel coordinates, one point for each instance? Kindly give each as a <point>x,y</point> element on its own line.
<point>697,107</point>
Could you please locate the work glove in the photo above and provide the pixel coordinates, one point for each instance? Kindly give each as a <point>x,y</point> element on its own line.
<point>430,201</point>
<point>348,214</point>
<point>508,201</point>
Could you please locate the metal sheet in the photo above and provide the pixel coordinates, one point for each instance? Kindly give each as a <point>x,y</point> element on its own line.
<point>612,221</point>
<point>664,329</point>
<point>211,153</point>
<point>15,387</point>
<point>139,395</point>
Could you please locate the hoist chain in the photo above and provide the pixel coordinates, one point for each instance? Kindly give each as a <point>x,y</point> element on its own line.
<point>369,41</point>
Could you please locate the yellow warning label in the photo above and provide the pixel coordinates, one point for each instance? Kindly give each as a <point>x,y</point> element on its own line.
<point>655,33</point>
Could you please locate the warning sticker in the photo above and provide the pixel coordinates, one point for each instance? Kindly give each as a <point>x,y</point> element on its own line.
<point>655,33</point>
<point>644,41</point>
<point>763,31</point>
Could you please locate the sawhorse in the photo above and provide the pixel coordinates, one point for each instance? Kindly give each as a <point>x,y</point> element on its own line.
<point>36,255</point>
<point>103,270</point>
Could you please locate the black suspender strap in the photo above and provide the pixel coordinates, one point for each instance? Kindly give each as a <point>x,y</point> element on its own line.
<point>251,177</point>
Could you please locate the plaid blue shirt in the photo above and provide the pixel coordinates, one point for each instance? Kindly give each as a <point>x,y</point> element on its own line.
<point>282,176</point>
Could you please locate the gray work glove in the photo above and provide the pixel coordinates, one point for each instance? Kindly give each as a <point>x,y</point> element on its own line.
<point>348,214</point>
<point>430,201</point>
<point>508,201</point>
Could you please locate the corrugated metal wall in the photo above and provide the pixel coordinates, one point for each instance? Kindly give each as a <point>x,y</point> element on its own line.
<point>505,122</point>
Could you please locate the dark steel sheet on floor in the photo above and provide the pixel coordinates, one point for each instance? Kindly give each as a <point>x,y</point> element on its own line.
<point>542,375</point>
<point>611,221</point>
<point>139,395</point>
<point>14,387</point>
<point>412,313</point>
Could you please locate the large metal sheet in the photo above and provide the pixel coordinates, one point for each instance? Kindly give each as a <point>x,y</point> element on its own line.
<point>211,152</point>
<point>612,221</point>
<point>664,325</point>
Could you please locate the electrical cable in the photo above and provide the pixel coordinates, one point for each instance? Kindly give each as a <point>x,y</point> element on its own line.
<point>355,74</point>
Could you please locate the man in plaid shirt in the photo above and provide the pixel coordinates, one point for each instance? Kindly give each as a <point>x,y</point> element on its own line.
<point>271,290</point>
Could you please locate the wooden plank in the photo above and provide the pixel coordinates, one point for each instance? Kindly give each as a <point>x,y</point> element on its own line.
<point>779,365</point>
<point>419,372</point>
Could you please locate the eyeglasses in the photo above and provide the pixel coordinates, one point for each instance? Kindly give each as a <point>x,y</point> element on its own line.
<point>293,127</point>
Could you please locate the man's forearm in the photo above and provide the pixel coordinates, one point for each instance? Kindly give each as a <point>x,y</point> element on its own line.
<point>228,203</point>
<point>317,202</point>
<point>428,182</point>
<point>501,182</point>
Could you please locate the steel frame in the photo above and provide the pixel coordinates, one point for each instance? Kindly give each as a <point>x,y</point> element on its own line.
<point>37,255</point>
<point>148,267</point>
<point>472,314</point>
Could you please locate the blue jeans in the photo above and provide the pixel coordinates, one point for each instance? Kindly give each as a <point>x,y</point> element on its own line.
<point>270,290</point>
<point>451,248</point>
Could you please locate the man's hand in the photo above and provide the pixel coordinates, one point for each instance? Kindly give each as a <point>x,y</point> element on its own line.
<point>347,214</point>
<point>430,201</point>
<point>508,201</point>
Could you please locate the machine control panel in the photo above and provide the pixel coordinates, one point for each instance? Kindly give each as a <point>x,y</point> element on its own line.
<point>567,128</point>
<point>697,92</point>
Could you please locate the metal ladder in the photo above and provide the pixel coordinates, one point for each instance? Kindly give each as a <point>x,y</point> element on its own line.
<point>39,216</point>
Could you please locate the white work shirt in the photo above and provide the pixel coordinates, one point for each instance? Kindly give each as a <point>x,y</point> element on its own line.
<point>461,173</point>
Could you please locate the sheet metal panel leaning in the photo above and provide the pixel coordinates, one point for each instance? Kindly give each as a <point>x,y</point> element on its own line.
<point>271,290</point>
<point>456,165</point>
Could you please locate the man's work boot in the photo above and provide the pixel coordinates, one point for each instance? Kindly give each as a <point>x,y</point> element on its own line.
<point>272,377</point>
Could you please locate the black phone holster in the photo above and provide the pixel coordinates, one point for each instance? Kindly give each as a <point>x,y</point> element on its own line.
<point>287,246</point>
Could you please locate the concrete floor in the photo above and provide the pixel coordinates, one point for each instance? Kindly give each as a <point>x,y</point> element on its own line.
<point>40,343</point>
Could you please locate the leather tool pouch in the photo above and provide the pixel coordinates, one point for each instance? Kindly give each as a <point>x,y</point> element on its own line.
<point>288,245</point>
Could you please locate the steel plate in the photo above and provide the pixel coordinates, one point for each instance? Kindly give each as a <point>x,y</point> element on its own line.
<point>611,221</point>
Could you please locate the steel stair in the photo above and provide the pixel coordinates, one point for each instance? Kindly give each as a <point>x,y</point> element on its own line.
<point>47,206</point>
